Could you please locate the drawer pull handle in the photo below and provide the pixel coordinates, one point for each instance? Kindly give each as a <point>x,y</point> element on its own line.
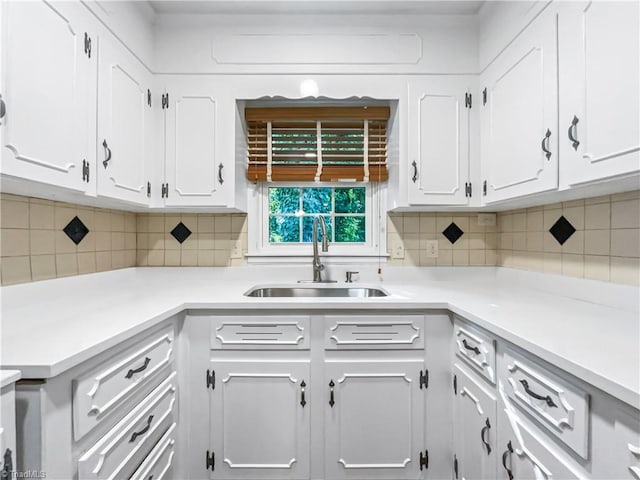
<point>415,171</point>
<point>506,453</point>
<point>545,144</point>
<point>220,179</point>
<point>7,471</point>
<point>303,402</point>
<point>331,401</point>
<point>533,394</point>
<point>486,428</point>
<point>135,435</point>
<point>139,369</point>
<point>107,150</point>
<point>572,132</point>
<point>475,350</point>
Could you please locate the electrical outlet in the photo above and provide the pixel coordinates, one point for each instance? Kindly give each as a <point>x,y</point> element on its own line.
<point>236,251</point>
<point>487,219</point>
<point>397,250</point>
<point>432,248</point>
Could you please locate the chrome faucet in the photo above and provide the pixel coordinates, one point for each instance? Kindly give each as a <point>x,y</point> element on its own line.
<point>317,266</point>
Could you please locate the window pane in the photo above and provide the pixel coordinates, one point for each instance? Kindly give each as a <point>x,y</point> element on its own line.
<point>350,229</point>
<point>284,200</point>
<point>350,200</point>
<point>316,200</point>
<point>307,228</point>
<point>284,229</point>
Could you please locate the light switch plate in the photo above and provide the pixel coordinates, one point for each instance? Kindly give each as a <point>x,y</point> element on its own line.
<point>397,250</point>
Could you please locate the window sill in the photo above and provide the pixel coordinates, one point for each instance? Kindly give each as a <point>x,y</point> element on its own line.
<point>327,258</point>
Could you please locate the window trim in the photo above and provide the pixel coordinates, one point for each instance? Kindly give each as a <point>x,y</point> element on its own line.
<point>258,228</point>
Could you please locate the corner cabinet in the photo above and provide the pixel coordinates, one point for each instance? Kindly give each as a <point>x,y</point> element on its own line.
<point>599,90</point>
<point>438,156</point>
<point>519,111</point>
<point>199,144</point>
<point>126,105</point>
<point>49,57</point>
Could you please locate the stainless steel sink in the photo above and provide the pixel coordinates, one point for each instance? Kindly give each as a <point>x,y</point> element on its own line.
<point>316,291</point>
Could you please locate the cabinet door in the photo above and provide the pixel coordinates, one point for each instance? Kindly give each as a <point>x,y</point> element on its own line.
<point>599,90</point>
<point>519,131</point>
<point>259,421</point>
<point>49,90</point>
<point>124,124</point>
<point>525,454</point>
<point>438,142</point>
<point>8,429</point>
<point>195,170</point>
<point>374,420</point>
<point>474,428</point>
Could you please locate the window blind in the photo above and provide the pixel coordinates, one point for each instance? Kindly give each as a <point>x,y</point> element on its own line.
<point>317,144</point>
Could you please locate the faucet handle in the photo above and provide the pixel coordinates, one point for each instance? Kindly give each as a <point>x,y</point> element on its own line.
<point>350,276</point>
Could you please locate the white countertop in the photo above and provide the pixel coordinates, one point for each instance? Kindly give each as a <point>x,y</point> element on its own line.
<point>590,329</point>
<point>7,377</point>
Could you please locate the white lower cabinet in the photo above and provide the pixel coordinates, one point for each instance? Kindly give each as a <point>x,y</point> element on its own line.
<point>8,424</point>
<point>260,420</point>
<point>374,420</point>
<point>474,427</point>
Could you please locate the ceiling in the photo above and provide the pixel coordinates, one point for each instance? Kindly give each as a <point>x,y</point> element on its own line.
<point>386,7</point>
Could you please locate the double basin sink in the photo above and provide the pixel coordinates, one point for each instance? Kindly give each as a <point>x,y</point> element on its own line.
<point>315,291</point>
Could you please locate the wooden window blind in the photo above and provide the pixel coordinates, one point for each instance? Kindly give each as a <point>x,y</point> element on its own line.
<point>317,144</point>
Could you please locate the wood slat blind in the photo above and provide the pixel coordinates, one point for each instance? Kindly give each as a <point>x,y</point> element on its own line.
<point>317,144</point>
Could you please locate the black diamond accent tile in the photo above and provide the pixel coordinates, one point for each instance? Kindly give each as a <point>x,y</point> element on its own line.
<point>181,232</point>
<point>453,232</point>
<point>76,230</point>
<point>562,230</point>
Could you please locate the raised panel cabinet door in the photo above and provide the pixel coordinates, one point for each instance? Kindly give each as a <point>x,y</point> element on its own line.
<point>49,91</point>
<point>438,143</point>
<point>8,429</point>
<point>521,151</point>
<point>195,170</point>
<point>474,428</point>
<point>124,117</point>
<point>599,90</point>
<point>260,416</point>
<point>374,420</point>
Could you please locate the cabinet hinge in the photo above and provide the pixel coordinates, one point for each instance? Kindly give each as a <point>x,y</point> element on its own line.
<point>164,192</point>
<point>468,192</point>
<point>210,461</point>
<point>467,100</point>
<point>424,460</point>
<point>148,97</point>
<point>484,188</point>
<point>211,379</point>
<point>484,96</point>
<point>148,189</point>
<point>424,379</point>
<point>87,45</point>
<point>455,384</point>
<point>165,101</point>
<point>455,466</point>
<point>85,171</point>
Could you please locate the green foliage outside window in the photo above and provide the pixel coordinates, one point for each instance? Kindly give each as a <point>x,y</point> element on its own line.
<point>292,211</point>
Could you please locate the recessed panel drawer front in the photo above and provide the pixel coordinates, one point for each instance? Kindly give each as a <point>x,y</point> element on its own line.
<point>263,332</point>
<point>345,332</point>
<point>123,448</point>
<point>560,407</point>
<point>476,348</point>
<point>159,463</point>
<point>97,393</point>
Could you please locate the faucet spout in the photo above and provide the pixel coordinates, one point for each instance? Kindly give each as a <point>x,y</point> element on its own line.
<point>318,267</point>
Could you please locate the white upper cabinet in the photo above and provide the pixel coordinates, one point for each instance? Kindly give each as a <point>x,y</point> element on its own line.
<point>197,169</point>
<point>125,132</point>
<point>519,119</point>
<point>374,420</point>
<point>49,66</point>
<point>438,155</point>
<point>599,90</point>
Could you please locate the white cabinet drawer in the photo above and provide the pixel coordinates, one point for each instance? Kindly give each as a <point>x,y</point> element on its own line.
<point>264,332</point>
<point>476,348</point>
<point>560,407</point>
<point>158,464</point>
<point>97,393</point>
<point>118,453</point>
<point>346,332</point>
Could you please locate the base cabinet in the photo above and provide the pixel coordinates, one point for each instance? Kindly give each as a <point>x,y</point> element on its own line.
<point>474,428</point>
<point>260,420</point>
<point>8,466</point>
<point>374,420</point>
